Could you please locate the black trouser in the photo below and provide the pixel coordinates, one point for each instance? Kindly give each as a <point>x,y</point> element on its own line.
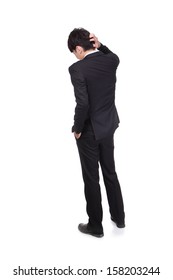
<point>92,152</point>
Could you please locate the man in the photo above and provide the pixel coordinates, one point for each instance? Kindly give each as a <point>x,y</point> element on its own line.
<point>95,121</point>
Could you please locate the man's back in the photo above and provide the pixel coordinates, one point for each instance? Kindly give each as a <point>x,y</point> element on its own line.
<point>97,71</point>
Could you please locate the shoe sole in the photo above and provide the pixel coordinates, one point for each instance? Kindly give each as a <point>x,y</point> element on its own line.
<point>96,235</point>
<point>93,234</point>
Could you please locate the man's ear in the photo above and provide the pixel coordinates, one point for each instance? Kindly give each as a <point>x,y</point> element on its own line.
<point>79,49</point>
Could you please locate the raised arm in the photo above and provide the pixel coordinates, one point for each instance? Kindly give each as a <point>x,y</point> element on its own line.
<point>101,47</point>
<point>98,45</point>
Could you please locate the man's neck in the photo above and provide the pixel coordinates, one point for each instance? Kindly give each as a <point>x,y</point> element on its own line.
<point>90,52</point>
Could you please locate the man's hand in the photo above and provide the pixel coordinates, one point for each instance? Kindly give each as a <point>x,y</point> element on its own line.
<point>77,135</point>
<point>94,39</point>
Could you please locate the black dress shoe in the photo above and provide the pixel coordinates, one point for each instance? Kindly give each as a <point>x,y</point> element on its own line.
<point>119,225</point>
<point>85,228</point>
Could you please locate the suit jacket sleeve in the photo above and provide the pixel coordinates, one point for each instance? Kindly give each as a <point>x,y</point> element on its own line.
<point>81,95</point>
<point>105,50</point>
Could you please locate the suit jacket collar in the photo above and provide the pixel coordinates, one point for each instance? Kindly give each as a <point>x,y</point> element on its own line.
<point>92,55</point>
<point>93,51</point>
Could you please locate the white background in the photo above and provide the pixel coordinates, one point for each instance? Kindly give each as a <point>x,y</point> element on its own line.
<point>41,200</point>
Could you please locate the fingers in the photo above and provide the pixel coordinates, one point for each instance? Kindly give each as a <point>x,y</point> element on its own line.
<point>93,37</point>
<point>95,40</point>
<point>77,135</point>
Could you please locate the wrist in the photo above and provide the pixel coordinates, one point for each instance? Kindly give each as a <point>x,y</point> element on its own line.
<point>99,45</point>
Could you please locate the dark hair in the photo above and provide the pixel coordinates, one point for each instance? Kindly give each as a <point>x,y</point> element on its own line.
<point>79,37</point>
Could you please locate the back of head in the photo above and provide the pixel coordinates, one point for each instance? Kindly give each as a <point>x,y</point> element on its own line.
<point>80,37</point>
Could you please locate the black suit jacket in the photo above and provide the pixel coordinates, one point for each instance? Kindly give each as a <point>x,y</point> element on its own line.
<point>94,80</point>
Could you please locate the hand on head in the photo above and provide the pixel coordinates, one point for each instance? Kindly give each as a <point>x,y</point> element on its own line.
<point>94,39</point>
